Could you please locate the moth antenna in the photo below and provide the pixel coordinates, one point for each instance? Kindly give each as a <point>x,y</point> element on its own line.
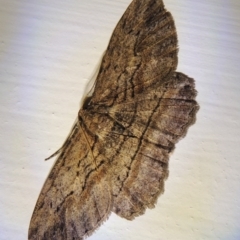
<point>65,144</point>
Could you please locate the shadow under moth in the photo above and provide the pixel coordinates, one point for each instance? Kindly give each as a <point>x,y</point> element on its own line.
<point>116,157</point>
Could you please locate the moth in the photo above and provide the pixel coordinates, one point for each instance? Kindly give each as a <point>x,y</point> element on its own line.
<point>116,157</point>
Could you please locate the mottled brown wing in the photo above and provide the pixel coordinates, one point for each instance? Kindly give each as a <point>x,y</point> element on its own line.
<point>144,133</point>
<point>117,156</point>
<point>76,197</point>
<point>141,51</point>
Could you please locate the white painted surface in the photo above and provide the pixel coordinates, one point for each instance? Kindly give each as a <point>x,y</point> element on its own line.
<point>48,52</point>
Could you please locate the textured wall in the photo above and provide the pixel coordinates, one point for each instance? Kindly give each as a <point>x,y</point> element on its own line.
<point>48,52</point>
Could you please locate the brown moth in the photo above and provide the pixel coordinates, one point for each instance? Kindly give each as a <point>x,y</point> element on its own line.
<point>116,157</point>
